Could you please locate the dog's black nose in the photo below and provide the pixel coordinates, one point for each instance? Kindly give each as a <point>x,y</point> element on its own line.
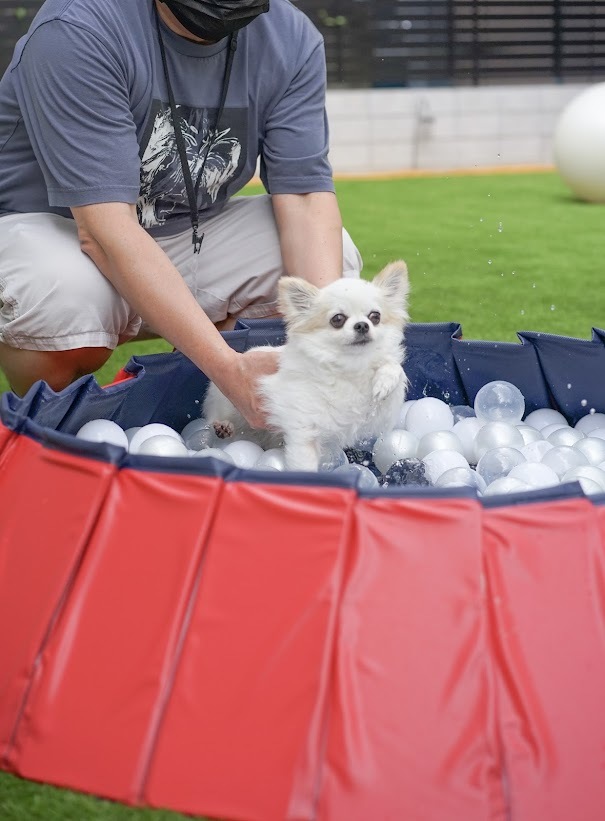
<point>361,327</point>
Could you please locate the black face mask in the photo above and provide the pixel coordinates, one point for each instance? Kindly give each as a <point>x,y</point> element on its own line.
<point>215,20</point>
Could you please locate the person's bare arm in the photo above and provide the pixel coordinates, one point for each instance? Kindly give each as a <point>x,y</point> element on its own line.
<point>142,273</point>
<point>310,233</point>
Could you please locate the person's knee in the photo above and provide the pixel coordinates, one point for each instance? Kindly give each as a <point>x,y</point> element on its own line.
<point>57,368</point>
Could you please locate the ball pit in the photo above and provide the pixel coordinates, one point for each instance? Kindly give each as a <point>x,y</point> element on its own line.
<point>182,633</point>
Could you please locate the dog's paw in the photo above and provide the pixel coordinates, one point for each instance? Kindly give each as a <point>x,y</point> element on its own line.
<point>224,430</point>
<point>387,378</point>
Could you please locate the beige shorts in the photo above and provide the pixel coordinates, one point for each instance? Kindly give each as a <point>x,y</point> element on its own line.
<point>53,297</point>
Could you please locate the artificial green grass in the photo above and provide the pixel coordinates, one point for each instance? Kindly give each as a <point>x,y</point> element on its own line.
<point>498,253</point>
<point>26,801</point>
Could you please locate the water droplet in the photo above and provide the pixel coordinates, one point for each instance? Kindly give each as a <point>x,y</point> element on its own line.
<point>480,219</point>
<point>584,402</point>
<point>552,307</point>
<point>500,228</point>
<point>522,313</point>
<point>533,285</point>
<point>489,262</point>
<point>569,386</point>
<point>592,410</point>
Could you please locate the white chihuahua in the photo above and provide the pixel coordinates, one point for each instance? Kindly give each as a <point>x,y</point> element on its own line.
<point>340,378</point>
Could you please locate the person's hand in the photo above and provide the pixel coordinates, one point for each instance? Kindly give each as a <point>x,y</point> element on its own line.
<point>242,386</point>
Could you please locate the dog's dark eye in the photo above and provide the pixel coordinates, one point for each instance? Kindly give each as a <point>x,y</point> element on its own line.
<point>374,317</point>
<point>338,320</point>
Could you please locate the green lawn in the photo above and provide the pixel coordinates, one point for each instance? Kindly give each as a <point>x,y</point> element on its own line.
<point>496,253</point>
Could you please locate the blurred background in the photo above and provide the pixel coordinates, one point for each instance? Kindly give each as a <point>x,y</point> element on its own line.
<point>442,84</point>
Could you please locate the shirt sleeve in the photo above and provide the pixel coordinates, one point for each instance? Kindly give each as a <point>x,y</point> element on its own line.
<point>74,102</point>
<point>294,154</point>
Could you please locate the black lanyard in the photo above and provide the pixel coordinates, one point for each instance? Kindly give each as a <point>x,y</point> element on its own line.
<point>192,190</point>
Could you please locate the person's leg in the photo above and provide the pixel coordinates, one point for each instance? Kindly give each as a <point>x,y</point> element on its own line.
<point>60,318</point>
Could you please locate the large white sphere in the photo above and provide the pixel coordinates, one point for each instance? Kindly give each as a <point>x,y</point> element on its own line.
<point>393,446</point>
<point>429,414</point>
<point>438,440</point>
<point>147,431</point>
<point>244,453</point>
<point>591,422</point>
<point>437,462</point>
<point>499,401</point>
<point>578,144</point>
<point>497,435</point>
<point>162,445</point>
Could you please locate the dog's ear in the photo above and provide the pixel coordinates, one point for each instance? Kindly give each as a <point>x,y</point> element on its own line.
<point>295,296</point>
<point>393,280</point>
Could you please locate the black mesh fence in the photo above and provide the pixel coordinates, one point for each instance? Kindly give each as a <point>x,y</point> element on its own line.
<point>382,43</point>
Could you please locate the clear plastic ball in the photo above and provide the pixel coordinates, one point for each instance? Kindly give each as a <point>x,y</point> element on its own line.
<point>461,477</point>
<point>498,462</point>
<point>499,401</point>
<point>332,457</point>
<point>400,421</point>
<point>497,435</point>
<point>364,477</point>
<point>427,415</point>
<point>438,440</point>
<point>392,447</point>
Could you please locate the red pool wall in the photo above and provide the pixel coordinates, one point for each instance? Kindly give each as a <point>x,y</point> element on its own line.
<point>278,651</point>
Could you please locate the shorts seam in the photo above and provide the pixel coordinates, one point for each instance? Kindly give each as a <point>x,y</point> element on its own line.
<point>97,339</point>
<point>256,311</point>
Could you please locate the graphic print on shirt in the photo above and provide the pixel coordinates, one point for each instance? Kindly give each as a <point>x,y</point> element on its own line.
<point>163,194</point>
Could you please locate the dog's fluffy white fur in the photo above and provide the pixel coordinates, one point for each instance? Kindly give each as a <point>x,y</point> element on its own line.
<point>340,378</point>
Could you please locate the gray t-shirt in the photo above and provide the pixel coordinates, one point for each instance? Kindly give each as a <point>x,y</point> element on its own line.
<point>84,116</point>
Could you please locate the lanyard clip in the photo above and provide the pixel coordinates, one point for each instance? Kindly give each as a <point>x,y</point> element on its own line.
<point>196,241</point>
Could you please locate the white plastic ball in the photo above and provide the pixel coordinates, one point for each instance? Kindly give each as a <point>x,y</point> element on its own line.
<point>244,453</point>
<point>103,430</point>
<point>589,487</point>
<point>147,431</point>
<point>438,440</point>
<point>506,485</point>
<point>273,458</point>
<point>563,436</point>
<point>461,477</point>
<point>439,461</point>
<point>535,474</point>
<point>578,141</point>
<point>130,432</point>
<point>588,472</point>
<point>497,435</point>
<point>542,417</point>
<point>498,462</point>
<point>162,445</point>
<point>393,446</point>
<point>499,401</point>
<point>400,422</point>
<point>529,434</point>
<point>534,451</point>
<point>364,477</point>
<point>427,415</point>
<point>599,433</point>
<point>214,453</point>
<point>466,430</point>
<point>564,458</point>
<point>593,448</point>
<point>591,422</point>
